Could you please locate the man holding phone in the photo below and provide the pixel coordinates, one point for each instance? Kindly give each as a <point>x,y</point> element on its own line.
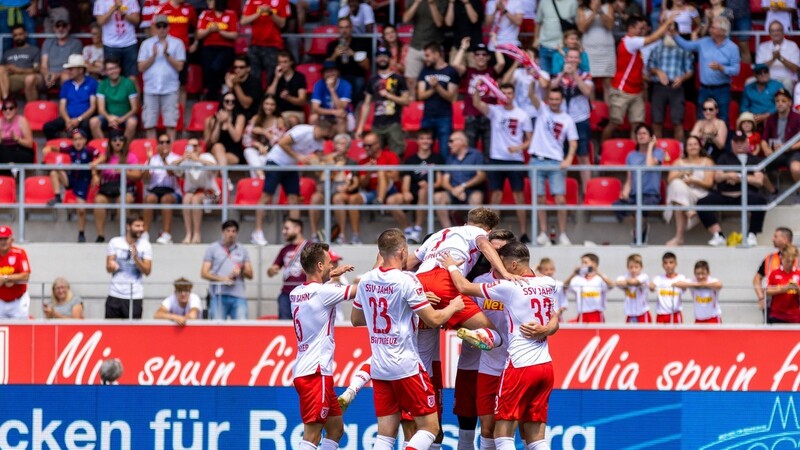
<point>226,264</point>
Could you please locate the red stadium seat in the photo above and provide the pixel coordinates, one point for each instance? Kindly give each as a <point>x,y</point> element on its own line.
<point>248,191</point>
<point>40,112</point>
<point>312,72</point>
<point>319,44</point>
<point>328,147</point>
<point>194,79</point>
<point>411,148</point>
<point>508,194</point>
<point>733,114</point>
<point>8,189</point>
<point>599,116</point>
<point>38,190</point>
<point>745,72</point>
<point>99,144</point>
<point>602,191</point>
<point>405,29</point>
<point>307,188</point>
<point>139,148</point>
<point>59,144</point>
<point>56,158</point>
<point>614,151</point>
<point>411,117</point>
<point>672,150</point>
<point>571,195</point>
<point>458,115</point>
<point>178,126</point>
<point>200,112</point>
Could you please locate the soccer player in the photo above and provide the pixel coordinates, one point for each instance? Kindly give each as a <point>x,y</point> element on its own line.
<point>590,287</point>
<point>669,296</point>
<point>635,285</point>
<point>313,312</point>
<point>389,302</point>
<point>527,380</point>
<point>705,292</point>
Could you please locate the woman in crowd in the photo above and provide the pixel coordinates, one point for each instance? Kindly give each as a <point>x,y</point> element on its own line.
<point>217,29</point>
<point>685,186</point>
<point>717,9</point>
<point>263,131</point>
<point>223,132</point>
<point>199,187</point>
<point>596,22</point>
<point>16,138</point>
<point>391,41</point>
<point>712,131</point>
<point>109,181</point>
<point>93,53</point>
<point>686,16</point>
<point>64,304</point>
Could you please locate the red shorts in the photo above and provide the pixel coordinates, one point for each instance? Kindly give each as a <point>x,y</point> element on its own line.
<point>675,317</point>
<point>524,392</point>
<point>439,282</point>
<point>589,317</point>
<point>717,319</point>
<point>644,318</point>
<point>317,399</point>
<point>414,394</point>
<point>487,394</point>
<point>465,395</point>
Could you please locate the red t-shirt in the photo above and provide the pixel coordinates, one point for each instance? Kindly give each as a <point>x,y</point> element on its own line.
<point>227,21</point>
<point>180,18</point>
<point>785,306</point>
<point>386,158</point>
<point>13,262</point>
<point>265,32</point>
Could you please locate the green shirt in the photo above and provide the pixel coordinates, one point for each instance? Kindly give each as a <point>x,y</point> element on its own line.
<point>117,97</point>
<point>425,30</point>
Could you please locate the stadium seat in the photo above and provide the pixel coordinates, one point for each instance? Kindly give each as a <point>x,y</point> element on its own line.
<point>40,112</point>
<point>328,147</point>
<point>307,188</point>
<point>602,191</point>
<point>56,158</point>
<point>411,148</point>
<point>59,144</point>
<point>508,194</point>
<point>194,79</point>
<point>240,46</point>
<point>672,150</point>
<point>733,114</point>
<point>614,151</point>
<point>745,72</point>
<point>411,117</point>
<point>406,29</point>
<point>179,146</point>
<point>312,72</point>
<point>571,195</point>
<point>99,144</point>
<point>599,115</point>
<point>200,112</point>
<point>319,44</point>
<point>8,189</point>
<point>458,115</point>
<point>139,148</point>
<point>248,191</point>
<point>38,190</point>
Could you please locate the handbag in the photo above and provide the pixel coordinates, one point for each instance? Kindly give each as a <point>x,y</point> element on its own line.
<point>566,25</point>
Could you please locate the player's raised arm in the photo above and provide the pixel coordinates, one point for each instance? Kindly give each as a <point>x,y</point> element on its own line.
<point>463,285</point>
<point>488,250</point>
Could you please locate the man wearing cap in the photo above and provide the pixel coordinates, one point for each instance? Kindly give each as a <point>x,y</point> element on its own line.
<point>117,103</point>
<point>728,191</point>
<point>758,97</point>
<point>780,127</point>
<point>119,19</point>
<point>780,55</point>
<point>57,50</point>
<point>387,93</point>
<point>77,100</point>
<point>14,274</point>
<point>332,98</point>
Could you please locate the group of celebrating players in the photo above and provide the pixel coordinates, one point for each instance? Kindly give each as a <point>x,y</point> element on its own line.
<point>469,278</point>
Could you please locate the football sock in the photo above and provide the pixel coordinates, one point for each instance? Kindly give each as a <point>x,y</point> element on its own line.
<point>487,443</point>
<point>504,443</point>
<point>421,440</point>
<point>329,444</point>
<point>383,443</point>
<point>466,439</point>
<point>538,445</point>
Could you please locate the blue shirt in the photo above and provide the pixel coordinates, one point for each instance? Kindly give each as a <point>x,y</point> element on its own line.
<point>708,51</point>
<point>651,180</point>
<point>558,62</point>
<point>84,156</point>
<point>760,102</point>
<point>78,97</point>
<point>322,95</point>
<point>472,158</point>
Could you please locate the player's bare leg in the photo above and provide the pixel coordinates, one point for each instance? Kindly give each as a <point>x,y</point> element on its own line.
<point>387,430</point>
<point>312,434</point>
<point>487,432</point>
<point>532,433</point>
<point>479,332</point>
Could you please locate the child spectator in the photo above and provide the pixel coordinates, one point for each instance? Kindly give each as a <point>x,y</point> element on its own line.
<point>635,285</point>
<point>705,292</point>
<point>547,268</point>
<point>668,309</point>
<point>747,124</point>
<point>93,53</point>
<point>181,305</point>
<point>590,288</point>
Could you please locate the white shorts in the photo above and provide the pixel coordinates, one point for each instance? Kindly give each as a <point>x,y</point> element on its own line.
<point>17,309</point>
<point>164,105</point>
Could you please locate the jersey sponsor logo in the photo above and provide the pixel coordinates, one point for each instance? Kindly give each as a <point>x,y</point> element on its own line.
<point>667,292</point>
<point>590,294</point>
<point>491,305</point>
<point>178,19</point>
<point>703,299</point>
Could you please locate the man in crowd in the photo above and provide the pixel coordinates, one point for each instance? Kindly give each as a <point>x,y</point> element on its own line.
<point>119,19</point>
<point>226,264</point>
<point>779,128</point>
<point>782,238</point>
<point>332,99</point>
<point>15,272</point>
<point>56,52</point>
<point>289,259</point>
<point>289,88</point>
<point>20,67</point>
<point>759,97</point>
<point>427,19</point>
<point>669,67</point>
<point>437,86</point>
<point>351,57</point>
<point>129,259</point>
<point>117,103</point>
<point>460,187</point>
<point>77,100</point>
<point>182,305</point>
<point>780,55</point>
<point>182,18</point>
<point>245,86</point>
<point>414,188</point>
<point>266,17</point>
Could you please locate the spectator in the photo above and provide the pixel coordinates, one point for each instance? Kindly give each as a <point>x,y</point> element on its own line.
<point>93,53</point>
<point>20,67</point>
<point>624,10</point>
<point>414,189</point>
<point>782,12</point>
<point>77,100</point>
<point>343,183</point>
<point>476,124</point>
<point>780,55</point>
<point>712,131</point>
<point>218,29</point>
<point>16,138</point>
<point>437,86</point>
<point>729,191</point>
<point>686,186</point>
<point>635,284</point>
<point>522,78</point>
<point>758,97</point>
<point>129,258</point>
<point>181,305</point>
<point>266,18</point>
<point>289,89</point>
<point>288,259</point>
<point>648,155</point>
<point>14,298</point>
<point>162,187</point>
<point>554,18</point>
<point>295,147</point>
<point>427,20</point>
<point>504,18</point>
<point>784,290</point>
<point>56,52</point>
<point>261,133</point>
<point>788,121</point>
<point>387,93</point>
<point>360,14</point>
<point>397,49</point>
<point>461,187</point>
<point>119,19</point>
<point>670,67</point>
<point>63,303</point>
<point>245,86</point>
<point>466,18</point>
<point>199,187</point>
<point>717,9</point>
<point>781,239</point>
<point>79,181</point>
<point>684,16</point>
<point>161,59</point>
<point>18,13</point>
<point>572,41</point>
<point>705,293</point>
<point>718,59</point>
<point>182,18</point>
<point>596,21</point>
<point>351,57</point>
<point>117,103</point>
<point>511,137</point>
<point>223,132</point>
<point>742,21</point>
<point>590,287</point>
<point>332,99</point>
<point>109,181</point>
<point>747,123</point>
<point>554,128</point>
<point>226,264</point>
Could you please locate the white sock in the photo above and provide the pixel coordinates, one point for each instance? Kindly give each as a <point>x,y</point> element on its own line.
<point>421,440</point>
<point>487,443</point>
<point>504,443</point>
<point>359,379</point>
<point>496,339</point>
<point>305,445</point>
<point>435,446</point>
<point>329,444</point>
<point>538,445</point>
<point>383,443</point>
<point>405,444</point>
<point>466,439</point>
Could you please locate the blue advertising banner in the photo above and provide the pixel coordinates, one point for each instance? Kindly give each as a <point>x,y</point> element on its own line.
<point>134,417</point>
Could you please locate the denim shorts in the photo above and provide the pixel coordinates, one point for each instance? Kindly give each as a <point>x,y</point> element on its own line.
<point>556,176</point>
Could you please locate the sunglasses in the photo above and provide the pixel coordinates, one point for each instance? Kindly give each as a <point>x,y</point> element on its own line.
<point>61,25</point>
<point>239,67</point>
<point>709,109</point>
<point>165,142</point>
<point>9,108</point>
<point>118,139</point>
<point>162,25</point>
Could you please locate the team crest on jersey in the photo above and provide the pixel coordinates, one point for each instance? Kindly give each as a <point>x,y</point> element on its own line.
<point>420,290</point>
<point>431,401</point>
<point>12,260</point>
<point>324,412</point>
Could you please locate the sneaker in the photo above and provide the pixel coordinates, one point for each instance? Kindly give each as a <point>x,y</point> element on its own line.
<point>355,240</point>
<point>543,239</point>
<point>145,236</point>
<point>645,233</point>
<point>164,239</point>
<point>54,201</point>
<point>563,239</point>
<point>81,237</point>
<point>416,235</point>
<point>320,236</point>
<point>407,232</point>
<point>477,338</point>
<point>257,238</point>
<point>525,239</point>
<point>340,240</point>
<point>100,239</point>
<point>346,398</point>
<point>718,240</point>
<point>752,241</point>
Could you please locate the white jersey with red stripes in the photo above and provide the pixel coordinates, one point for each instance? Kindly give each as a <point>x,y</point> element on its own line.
<point>494,361</point>
<point>668,296</point>
<point>313,314</point>
<point>389,299</point>
<point>460,242</point>
<point>706,301</point>
<point>524,303</point>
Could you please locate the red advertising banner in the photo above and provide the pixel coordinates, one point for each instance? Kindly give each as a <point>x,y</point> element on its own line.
<point>258,355</point>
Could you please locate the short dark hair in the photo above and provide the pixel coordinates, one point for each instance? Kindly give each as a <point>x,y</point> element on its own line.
<point>669,255</point>
<point>557,91</point>
<point>244,57</point>
<point>285,54</point>
<point>427,131</point>
<point>391,241</point>
<point>133,218</point>
<point>645,126</point>
<point>18,26</point>
<point>294,221</point>
<point>325,123</point>
<point>516,250</point>
<point>787,232</point>
<point>508,86</point>
<point>633,21</point>
<point>702,264</point>
<point>313,254</point>
<point>112,60</point>
<point>230,223</point>
<point>502,234</point>
<point>434,47</point>
<point>182,284</point>
<point>483,216</point>
<point>591,257</point>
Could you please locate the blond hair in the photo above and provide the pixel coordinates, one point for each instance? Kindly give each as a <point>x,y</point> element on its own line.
<point>56,282</point>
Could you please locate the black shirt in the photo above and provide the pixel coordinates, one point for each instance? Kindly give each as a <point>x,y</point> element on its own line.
<point>351,67</point>
<point>730,159</point>
<point>462,27</point>
<point>421,173</point>
<point>252,88</point>
<point>387,112</point>
<point>297,82</point>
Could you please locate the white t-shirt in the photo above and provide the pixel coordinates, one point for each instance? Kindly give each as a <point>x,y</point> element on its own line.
<point>668,296</point>
<point>303,143</point>
<point>126,282</point>
<point>493,362</point>
<point>507,32</point>
<point>117,32</point>
<point>531,302</point>
<point>92,54</point>
<point>784,17</point>
<point>389,299</point>
<point>636,296</point>
<point>470,357</point>
<point>706,302</point>
<point>161,78</point>
<point>777,70</point>
<point>552,129</point>
<point>560,297</point>
<point>313,314</point>
<point>461,242</point>
<point>160,177</point>
<point>365,16</point>
<point>428,345</point>
<point>173,307</point>
<point>508,129</point>
<point>523,79</point>
<point>590,294</point>
<point>683,19</point>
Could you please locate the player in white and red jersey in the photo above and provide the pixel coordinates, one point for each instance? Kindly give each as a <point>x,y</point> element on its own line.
<point>705,292</point>
<point>527,380</point>
<point>313,313</point>
<point>390,302</point>
<point>590,288</point>
<point>635,285</point>
<point>668,308</point>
